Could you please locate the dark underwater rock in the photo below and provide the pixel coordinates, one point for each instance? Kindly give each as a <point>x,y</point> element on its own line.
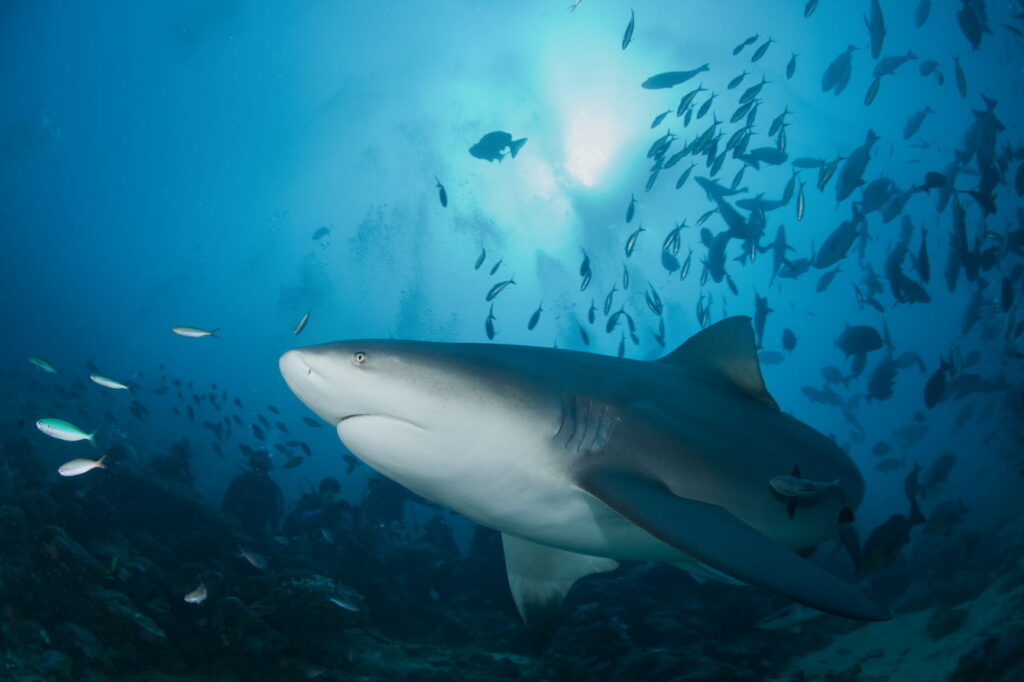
<point>945,622</point>
<point>23,469</point>
<point>55,664</point>
<point>997,659</point>
<point>851,674</point>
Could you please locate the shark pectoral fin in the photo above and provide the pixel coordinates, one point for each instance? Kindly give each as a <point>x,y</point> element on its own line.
<point>726,349</point>
<point>712,535</point>
<point>540,576</point>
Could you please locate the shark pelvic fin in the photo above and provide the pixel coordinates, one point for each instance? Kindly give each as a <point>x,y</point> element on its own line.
<point>540,576</point>
<point>726,349</point>
<point>712,535</point>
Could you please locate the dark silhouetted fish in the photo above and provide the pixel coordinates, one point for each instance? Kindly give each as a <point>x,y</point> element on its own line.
<point>489,323</point>
<point>442,193</point>
<point>761,49</point>
<point>788,339</point>
<point>924,8</point>
<point>761,311</point>
<point>936,474</point>
<point>492,145</point>
<point>672,78</point>
<point>935,387</point>
<point>876,28</point>
<point>628,35</point>
<point>973,21</point>
<point>914,122</point>
<point>631,241</point>
<point>886,541</point>
<point>659,118</point>
<point>852,173</point>
<point>889,64</point>
<point>499,287</point>
<point>825,280</point>
<point>961,79</point>
<point>859,340</point>
<point>837,75</point>
<point>535,318</point>
<point>872,92</point>
<point>838,243</point>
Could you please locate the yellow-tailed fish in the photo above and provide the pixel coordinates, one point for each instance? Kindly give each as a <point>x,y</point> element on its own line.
<point>77,467</point>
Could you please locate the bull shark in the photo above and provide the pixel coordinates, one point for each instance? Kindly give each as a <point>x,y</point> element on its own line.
<point>580,460</point>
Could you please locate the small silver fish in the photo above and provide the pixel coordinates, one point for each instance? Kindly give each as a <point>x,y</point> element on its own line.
<point>301,325</point>
<point>254,559</point>
<point>197,596</point>
<point>613,320</point>
<point>107,382</point>
<point>43,365</point>
<point>342,604</point>
<point>499,287</point>
<point>631,242</point>
<point>685,270</point>
<point>608,299</point>
<point>194,332</point>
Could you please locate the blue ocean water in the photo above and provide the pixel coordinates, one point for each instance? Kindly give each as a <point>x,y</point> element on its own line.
<point>233,166</point>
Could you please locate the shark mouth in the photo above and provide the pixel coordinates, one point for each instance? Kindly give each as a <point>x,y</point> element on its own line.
<point>364,416</point>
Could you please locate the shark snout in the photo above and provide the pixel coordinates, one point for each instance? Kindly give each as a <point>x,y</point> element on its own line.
<point>294,367</point>
<point>311,378</point>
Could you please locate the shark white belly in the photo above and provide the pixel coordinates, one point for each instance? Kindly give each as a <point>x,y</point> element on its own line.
<point>518,493</point>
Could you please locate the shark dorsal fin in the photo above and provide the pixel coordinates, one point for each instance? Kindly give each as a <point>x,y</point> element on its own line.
<point>727,349</point>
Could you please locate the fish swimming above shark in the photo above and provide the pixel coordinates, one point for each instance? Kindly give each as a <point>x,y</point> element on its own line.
<point>580,460</point>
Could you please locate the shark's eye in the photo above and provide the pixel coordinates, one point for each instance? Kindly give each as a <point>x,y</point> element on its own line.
<point>358,358</point>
